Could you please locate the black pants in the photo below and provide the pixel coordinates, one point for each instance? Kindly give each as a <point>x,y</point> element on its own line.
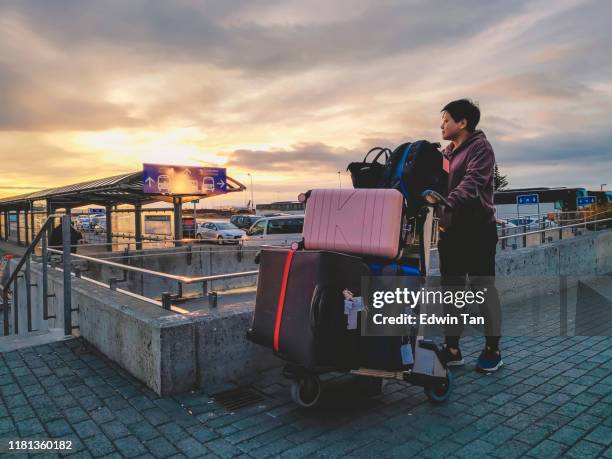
<point>470,250</point>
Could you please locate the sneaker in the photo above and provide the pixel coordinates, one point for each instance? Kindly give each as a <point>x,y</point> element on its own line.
<point>450,359</point>
<point>489,361</point>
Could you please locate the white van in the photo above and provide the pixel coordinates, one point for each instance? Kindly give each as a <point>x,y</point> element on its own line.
<point>280,230</point>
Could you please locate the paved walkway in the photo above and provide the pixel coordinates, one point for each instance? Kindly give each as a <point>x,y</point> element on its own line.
<point>554,397</point>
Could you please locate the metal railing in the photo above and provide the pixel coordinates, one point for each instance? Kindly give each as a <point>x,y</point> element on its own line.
<point>13,280</point>
<point>166,296</point>
<point>542,232</point>
<point>10,289</point>
<point>11,286</point>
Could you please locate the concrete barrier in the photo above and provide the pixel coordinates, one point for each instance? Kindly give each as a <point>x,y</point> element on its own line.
<point>535,270</point>
<point>173,352</point>
<point>168,351</point>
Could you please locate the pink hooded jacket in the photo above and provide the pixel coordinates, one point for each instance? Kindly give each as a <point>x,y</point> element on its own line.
<point>470,180</point>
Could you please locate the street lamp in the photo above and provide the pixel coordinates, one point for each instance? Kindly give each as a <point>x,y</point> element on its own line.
<point>339,180</point>
<point>601,186</point>
<point>252,201</point>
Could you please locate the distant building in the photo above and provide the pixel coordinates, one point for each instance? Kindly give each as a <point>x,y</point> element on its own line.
<point>284,207</point>
<point>550,200</point>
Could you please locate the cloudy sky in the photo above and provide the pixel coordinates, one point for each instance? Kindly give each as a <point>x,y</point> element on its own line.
<point>292,91</point>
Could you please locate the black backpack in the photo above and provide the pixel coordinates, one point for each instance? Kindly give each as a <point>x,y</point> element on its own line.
<point>413,168</point>
<point>370,175</point>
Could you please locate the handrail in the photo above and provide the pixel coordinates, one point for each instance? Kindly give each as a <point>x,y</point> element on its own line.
<point>152,241</point>
<point>25,260</point>
<point>555,229</point>
<point>28,252</point>
<point>182,279</point>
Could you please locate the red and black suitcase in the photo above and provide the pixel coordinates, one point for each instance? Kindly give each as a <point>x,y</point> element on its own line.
<point>299,307</point>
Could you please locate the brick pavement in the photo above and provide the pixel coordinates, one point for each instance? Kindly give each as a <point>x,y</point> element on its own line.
<point>553,398</point>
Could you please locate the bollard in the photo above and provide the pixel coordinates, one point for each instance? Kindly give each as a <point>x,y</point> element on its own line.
<point>166,301</point>
<point>239,251</point>
<point>212,299</point>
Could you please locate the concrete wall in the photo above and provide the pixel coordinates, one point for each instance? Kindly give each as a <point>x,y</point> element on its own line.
<point>533,270</point>
<point>193,260</point>
<point>173,353</point>
<point>168,351</point>
<point>224,354</point>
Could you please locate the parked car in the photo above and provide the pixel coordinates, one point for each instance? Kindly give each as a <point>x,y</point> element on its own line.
<point>83,223</point>
<point>222,232</point>
<point>98,224</point>
<point>244,221</point>
<point>532,223</point>
<point>282,230</point>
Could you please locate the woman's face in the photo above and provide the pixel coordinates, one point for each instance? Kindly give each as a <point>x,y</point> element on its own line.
<point>450,128</point>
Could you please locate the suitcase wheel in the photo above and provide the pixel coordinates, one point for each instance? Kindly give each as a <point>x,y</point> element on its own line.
<point>440,392</point>
<point>306,391</point>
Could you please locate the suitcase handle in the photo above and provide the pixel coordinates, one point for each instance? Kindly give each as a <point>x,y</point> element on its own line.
<point>380,151</point>
<point>315,307</point>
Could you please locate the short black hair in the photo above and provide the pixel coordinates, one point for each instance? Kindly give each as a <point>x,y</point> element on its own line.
<point>464,108</point>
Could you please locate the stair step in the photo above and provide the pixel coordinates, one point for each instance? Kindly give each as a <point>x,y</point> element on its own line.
<point>36,338</point>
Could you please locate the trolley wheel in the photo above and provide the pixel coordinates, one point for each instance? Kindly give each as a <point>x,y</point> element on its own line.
<point>306,391</point>
<point>440,392</point>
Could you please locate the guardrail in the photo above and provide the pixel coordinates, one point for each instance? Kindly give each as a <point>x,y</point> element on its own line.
<point>25,260</point>
<point>560,229</point>
<point>166,296</point>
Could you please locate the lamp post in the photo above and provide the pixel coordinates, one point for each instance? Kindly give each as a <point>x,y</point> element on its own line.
<point>339,180</point>
<point>601,186</point>
<point>252,202</point>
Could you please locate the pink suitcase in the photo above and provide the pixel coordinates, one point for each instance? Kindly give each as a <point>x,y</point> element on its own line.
<point>361,221</point>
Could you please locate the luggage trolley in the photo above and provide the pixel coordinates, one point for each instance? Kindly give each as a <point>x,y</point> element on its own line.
<point>428,370</point>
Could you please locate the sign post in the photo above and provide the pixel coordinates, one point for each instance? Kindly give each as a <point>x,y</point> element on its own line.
<point>195,214</point>
<point>586,201</point>
<point>526,199</point>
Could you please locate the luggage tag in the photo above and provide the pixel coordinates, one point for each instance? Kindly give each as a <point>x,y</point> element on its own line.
<point>351,309</point>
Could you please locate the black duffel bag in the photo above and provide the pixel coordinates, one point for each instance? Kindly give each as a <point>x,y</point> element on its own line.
<point>366,174</point>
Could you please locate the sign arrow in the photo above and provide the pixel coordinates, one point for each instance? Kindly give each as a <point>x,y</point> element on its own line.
<point>221,183</point>
<point>149,181</point>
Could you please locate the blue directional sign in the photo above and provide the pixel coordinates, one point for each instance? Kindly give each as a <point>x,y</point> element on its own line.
<point>93,210</point>
<point>527,199</point>
<point>183,180</point>
<point>586,201</point>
